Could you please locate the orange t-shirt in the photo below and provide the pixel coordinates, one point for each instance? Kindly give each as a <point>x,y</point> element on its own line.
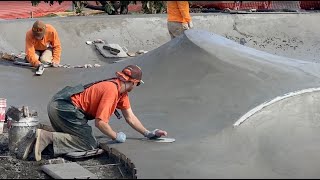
<point>178,11</point>
<point>50,39</point>
<point>100,100</point>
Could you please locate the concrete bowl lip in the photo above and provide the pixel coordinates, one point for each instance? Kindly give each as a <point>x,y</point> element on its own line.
<point>272,101</point>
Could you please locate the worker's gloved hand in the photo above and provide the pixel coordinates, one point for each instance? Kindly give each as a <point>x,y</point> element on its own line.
<point>155,134</point>
<point>185,26</point>
<point>46,64</point>
<point>121,137</point>
<point>55,65</point>
<point>190,25</point>
<point>40,67</point>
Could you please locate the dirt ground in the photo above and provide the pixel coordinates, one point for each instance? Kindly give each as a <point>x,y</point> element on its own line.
<point>12,168</point>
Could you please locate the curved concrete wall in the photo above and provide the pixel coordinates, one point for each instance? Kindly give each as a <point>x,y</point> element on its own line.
<point>295,33</point>
<point>196,87</point>
<point>290,35</point>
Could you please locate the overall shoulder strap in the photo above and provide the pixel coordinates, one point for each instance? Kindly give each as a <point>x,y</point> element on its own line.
<point>93,83</point>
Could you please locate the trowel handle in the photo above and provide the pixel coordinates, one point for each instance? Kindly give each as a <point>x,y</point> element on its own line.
<point>117,114</point>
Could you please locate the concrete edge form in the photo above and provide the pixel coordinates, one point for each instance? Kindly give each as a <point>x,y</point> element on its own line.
<point>120,158</point>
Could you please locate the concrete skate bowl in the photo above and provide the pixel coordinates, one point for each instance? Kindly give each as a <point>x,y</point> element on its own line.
<point>198,85</point>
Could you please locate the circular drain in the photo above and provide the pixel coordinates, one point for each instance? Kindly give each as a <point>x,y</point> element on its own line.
<point>12,168</point>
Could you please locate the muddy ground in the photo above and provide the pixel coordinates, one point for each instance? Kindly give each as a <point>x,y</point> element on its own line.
<point>12,168</point>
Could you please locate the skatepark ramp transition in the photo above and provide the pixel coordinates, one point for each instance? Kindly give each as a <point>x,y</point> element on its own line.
<point>197,87</point>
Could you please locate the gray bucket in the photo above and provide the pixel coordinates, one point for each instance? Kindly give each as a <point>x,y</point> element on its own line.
<point>19,129</point>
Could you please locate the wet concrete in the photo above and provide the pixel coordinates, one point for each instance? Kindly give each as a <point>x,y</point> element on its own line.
<point>204,97</point>
<point>196,87</point>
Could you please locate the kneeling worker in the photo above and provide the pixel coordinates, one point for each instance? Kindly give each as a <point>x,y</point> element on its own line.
<point>70,109</point>
<point>43,45</point>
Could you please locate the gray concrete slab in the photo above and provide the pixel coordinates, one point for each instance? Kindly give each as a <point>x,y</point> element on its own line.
<point>67,171</point>
<point>196,87</point>
<point>107,54</point>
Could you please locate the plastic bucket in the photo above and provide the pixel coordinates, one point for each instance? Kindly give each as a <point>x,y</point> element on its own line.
<point>3,106</point>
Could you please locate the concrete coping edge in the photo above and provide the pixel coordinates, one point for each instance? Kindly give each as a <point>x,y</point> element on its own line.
<point>267,103</point>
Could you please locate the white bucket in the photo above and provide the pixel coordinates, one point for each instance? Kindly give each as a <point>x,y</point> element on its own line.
<point>20,129</point>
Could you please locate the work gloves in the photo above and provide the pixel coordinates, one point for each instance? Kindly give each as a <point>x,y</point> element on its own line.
<point>121,137</point>
<point>40,67</point>
<point>152,134</point>
<point>187,26</point>
<point>190,25</point>
<point>54,65</point>
<point>155,134</point>
<point>50,64</point>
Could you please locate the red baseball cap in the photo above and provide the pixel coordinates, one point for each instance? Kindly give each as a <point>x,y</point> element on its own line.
<point>131,73</point>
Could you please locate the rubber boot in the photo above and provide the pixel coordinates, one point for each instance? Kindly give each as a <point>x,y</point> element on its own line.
<point>43,139</point>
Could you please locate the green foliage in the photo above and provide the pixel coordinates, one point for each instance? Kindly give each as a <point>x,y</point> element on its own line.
<point>111,7</point>
<point>108,8</point>
<point>154,7</point>
<point>79,5</point>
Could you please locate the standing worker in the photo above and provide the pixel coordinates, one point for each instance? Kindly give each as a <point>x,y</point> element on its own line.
<point>70,109</point>
<point>43,46</point>
<point>179,18</point>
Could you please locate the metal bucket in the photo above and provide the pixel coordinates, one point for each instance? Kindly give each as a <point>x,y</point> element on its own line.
<point>19,129</point>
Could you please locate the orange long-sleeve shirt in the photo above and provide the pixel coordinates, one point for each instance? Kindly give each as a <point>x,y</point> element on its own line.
<point>101,99</point>
<point>50,39</point>
<point>178,11</point>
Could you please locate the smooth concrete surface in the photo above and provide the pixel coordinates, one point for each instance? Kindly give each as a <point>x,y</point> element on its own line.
<point>196,87</point>
<point>200,99</point>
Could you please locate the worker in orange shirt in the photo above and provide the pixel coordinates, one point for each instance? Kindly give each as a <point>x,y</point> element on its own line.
<point>70,109</point>
<point>179,18</point>
<point>43,46</point>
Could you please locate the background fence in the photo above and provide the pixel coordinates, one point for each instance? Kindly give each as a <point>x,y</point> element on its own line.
<point>258,5</point>
<point>24,9</point>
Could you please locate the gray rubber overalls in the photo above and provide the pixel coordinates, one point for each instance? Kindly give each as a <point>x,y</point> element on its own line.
<point>73,132</point>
